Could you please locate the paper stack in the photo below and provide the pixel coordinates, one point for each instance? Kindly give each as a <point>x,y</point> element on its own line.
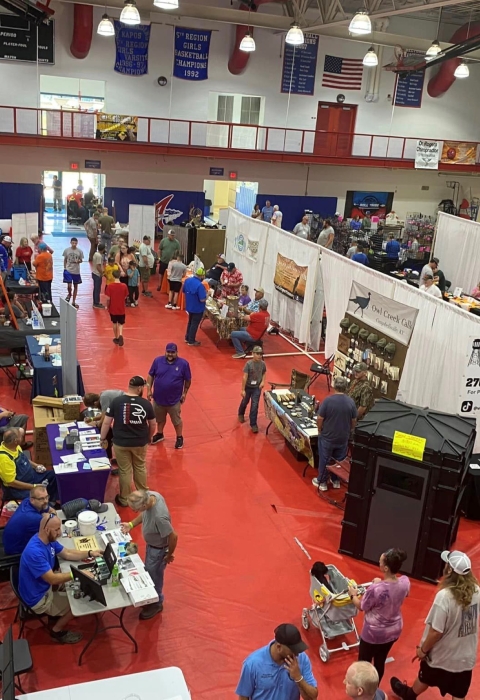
<point>137,582</point>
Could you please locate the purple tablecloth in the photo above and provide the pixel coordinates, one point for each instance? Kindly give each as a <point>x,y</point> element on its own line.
<point>83,483</point>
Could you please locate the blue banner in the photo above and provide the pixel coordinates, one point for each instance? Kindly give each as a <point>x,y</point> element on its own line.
<point>132,48</point>
<point>300,66</point>
<point>191,53</point>
<point>172,206</point>
<point>410,89</point>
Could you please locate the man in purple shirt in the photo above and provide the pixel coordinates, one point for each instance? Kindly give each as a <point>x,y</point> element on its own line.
<point>171,378</point>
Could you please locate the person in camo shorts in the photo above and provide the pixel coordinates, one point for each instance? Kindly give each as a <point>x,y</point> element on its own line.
<point>252,384</point>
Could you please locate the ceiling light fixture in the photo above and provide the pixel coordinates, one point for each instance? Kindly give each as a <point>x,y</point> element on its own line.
<point>166,4</point>
<point>433,51</point>
<point>295,36</point>
<point>360,24</point>
<point>248,43</point>
<point>370,59</point>
<point>130,14</point>
<point>105,27</point>
<point>462,71</point>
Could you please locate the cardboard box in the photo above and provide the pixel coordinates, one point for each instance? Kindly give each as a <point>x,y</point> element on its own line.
<point>70,410</point>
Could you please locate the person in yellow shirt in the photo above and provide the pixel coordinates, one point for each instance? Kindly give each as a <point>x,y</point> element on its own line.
<point>108,271</point>
<point>18,474</point>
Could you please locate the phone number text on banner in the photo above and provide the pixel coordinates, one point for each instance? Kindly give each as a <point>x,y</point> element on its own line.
<point>132,49</point>
<point>191,53</point>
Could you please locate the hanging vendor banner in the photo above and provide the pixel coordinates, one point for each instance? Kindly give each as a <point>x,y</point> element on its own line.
<point>300,66</point>
<point>246,245</point>
<point>191,53</point>
<point>116,127</point>
<point>390,317</point>
<point>469,395</point>
<point>427,154</point>
<point>290,279</point>
<point>459,153</point>
<point>132,48</point>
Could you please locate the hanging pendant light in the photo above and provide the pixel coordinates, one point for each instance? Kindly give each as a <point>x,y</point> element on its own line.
<point>295,36</point>
<point>105,27</point>
<point>166,4</point>
<point>433,51</point>
<point>360,24</point>
<point>370,59</point>
<point>130,14</point>
<point>462,71</point>
<point>248,43</point>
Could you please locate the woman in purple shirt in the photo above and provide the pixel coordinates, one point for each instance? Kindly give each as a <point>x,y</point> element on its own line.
<point>382,604</point>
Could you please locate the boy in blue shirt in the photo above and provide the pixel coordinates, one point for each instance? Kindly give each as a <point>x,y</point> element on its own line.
<point>133,283</point>
<point>195,298</point>
<point>360,256</point>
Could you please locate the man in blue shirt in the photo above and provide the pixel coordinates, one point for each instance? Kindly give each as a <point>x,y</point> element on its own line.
<point>5,246</point>
<point>195,298</point>
<point>392,248</point>
<point>336,418</point>
<point>25,521</point>
<point>171,379</point>
<point>360,256</point>
<point>36,577</point>
<point>267,212</point>
<point>279,671</point>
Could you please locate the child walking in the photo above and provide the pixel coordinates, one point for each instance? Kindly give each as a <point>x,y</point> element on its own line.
<point>252,384</point>
<point>133,283</point>
<point>110,267</point>
<point>116,295</point>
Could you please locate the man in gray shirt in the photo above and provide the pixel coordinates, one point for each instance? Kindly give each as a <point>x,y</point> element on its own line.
<point>160,537</point>
<point>175,271</point>
<point>102,401</point>
<point>252,384</point>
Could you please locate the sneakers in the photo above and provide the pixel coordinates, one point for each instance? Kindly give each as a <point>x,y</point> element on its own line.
<point>168,306</point>
<point>238,355</point>
<point>158,437</point>
<point>115,340</point>
<point>179,443</point>
<point>66,636</point>
<point>402,689</point>
<point>149,611</point>
<point>196,343</point>
<point>336,484</point>
<point>98,306</point>
<point>241,419</point>
<point>176,308</point>
<point>147,294</point>
<point>322,486</point>
<point>254,428</point>
<point>120,340</point>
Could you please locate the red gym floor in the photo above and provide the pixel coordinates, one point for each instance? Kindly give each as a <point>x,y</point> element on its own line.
<point>238,571</point>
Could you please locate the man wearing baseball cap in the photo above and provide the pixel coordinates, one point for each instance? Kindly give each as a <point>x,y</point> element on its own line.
<point>167,250</point>
<point>254,305</point>
<point>133,428</point>
<point>279,671</point>
<point>448,648</point>
<point>5,247</point>
<point>215,272</point>
<point>195,298</point>
<point>171,378</point>
<point>360,390</point>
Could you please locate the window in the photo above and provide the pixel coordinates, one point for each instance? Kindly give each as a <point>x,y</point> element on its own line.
<point>225,108</point>
<point>250,110</point>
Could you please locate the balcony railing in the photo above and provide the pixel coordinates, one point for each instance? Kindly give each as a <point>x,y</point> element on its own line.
<point>26,121</point>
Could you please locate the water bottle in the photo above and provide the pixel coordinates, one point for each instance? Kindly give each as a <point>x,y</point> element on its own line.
<point>118,521</point>
<point>115,577</point>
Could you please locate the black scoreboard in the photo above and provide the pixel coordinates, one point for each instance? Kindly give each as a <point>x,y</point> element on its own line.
<point>19,42</point>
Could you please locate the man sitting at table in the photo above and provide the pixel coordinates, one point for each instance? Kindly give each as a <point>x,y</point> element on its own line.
<point>258,323</point>
<point>232,280</point>
<point>18,474</point>
<point>215,272</point>
<point>10,419</point>
<point>254,305</point>
<point>36,577</point>
<point>25,521</point>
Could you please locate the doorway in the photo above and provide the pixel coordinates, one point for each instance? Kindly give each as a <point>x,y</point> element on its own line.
<point>56,222</point>
<point>221,194</point>
<point>335,129</point>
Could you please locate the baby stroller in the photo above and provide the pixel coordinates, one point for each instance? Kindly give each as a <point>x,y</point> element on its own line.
<point>332,611</point>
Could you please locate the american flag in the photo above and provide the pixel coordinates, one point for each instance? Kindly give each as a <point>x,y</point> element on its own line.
<point>344,73</point>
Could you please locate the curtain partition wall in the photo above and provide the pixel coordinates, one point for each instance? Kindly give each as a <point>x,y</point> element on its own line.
<point>457,245</point>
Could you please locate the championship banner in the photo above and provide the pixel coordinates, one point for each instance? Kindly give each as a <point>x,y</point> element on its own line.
<point>191,53</point>
<point>116,127</point>
<point>459,153</point>
<point>132,48</point>
<point>392,318</point>
<point>290,279</point>
<point>427,154</point>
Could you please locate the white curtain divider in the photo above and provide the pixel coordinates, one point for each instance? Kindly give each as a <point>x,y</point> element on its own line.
<point>457,245</point>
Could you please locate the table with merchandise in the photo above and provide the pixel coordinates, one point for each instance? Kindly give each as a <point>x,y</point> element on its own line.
<point>224,325</point>
<point>291,411</point>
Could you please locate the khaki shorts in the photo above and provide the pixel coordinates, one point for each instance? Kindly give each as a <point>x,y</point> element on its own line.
<point>53,603</point>
<point>161,413</point>
<point>144,273</point>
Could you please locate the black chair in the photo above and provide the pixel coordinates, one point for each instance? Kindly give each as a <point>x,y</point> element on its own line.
<point>6,363</point>
<point>5,497</point>
<point>24,611</point>
<point>249,346</point>
<point>7,560</point>
<point>22,658</point>
<point>324,369</point>
<point>20,375</point>
<point>298,380</point>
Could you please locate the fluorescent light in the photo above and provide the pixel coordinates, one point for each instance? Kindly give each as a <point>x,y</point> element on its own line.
<point>130,15</point>
<point>105,27</point>
<point>433,51</point>
<point>370,59</point>
<point>248,43</point>
<point>360,24</point>
<point>166,4</point>
<point>295,36</point>
<point>462,71</point>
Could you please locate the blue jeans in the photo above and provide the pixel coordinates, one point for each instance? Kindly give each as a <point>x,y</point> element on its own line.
<point>97,286</point>
<point>327,450</point>
<point>155,565</point>
<point>192,326</point>
<point>237,337</point>
<point>252,393</point>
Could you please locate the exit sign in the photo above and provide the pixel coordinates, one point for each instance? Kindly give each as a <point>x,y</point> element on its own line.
<point>233,174</point>
<point>74,166</point>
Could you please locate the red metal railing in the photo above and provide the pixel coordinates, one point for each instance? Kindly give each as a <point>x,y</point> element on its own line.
<point>27,121</point>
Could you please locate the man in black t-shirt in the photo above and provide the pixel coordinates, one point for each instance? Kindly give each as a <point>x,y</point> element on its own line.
<point>215,272</point>
<point>133,428</point>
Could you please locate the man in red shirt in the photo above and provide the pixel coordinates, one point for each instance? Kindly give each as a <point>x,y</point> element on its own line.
<point>116,295</point>
<point>258,323</point>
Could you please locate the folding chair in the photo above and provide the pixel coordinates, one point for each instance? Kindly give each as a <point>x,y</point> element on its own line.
<point>24,611</point>
<point>20,375</point>
<point>22,658</point>
<point>298,380</point>
<point>6,363</point>
<point>249,346</point>
<point>324,369</point>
